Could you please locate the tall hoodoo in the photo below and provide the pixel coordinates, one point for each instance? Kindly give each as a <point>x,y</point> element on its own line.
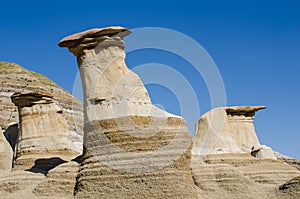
<point>110,89</point>
<point>44,131</point>
<point>131,147</point>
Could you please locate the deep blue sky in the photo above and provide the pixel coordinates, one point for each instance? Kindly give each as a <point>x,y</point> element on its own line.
<point>255,44</point>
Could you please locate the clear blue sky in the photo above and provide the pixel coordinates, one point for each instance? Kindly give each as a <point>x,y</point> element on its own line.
<point>255,44</point>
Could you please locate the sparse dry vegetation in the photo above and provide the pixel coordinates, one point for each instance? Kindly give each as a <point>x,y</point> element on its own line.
<point>8,67</point>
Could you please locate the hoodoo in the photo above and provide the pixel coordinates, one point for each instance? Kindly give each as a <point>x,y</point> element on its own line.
<point>131,147</point>
<point>226,130</point>
<point>44,131</point>
<point>228,160</point>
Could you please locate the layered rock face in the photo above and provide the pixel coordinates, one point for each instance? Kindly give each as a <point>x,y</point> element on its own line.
<point>229,162</point>
<point>43,166</point>
<point>40,171</point>
<point>131,147</point>
<point>290,189</point>
<point>239,175</point>
<point>58,182</point>
<point>226,130</point>
<point>44,131</point>
<point>14,78</point>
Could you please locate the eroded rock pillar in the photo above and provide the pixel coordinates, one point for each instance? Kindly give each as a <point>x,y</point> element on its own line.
<point>43,131</point>
<point>131,147</point>
<point>226,130</point>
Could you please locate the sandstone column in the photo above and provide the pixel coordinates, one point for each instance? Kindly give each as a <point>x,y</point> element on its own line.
<point>43,133</point>
<point>226,130</point>
<point>131,147</point>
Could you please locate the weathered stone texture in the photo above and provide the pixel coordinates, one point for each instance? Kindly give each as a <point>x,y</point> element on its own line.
<point>14,78</point>
<point>44,131</point>
<point>239,175</point>
<point>229,162</point>
<point>6,155</point>
<point>131,147</point>
<point>226,130</point>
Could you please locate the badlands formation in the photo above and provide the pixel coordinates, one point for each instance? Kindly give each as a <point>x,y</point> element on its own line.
<point>43,129</point>
<point>131,147</point>
<point>122,146</point>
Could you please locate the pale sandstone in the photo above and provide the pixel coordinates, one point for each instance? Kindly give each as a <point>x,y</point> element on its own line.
<point>43,129</point>
<point>131,147</point>
<point>263,152</point>
<point>19,184</point>
<point>134,149</point>
<point>226,130</point>
<point>6,155</point>
<point>58,182</point>
<point>111,90</point>
<point>290,189</point>
<point>228,161</point>
<point>239,175</point>
<point>14,78</point>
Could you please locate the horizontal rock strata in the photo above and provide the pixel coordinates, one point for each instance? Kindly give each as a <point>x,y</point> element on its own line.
<point>121,163</point>
<point>229,162</point>
<point>241,176</point>
<point>131,147</point>
<point>226,130</point>
<point>59,182</point>
<point>14,78</point>
<point>44,131</point>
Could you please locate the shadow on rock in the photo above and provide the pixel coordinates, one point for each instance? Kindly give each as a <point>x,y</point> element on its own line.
<point>11,135</point>
<point>44,165</point>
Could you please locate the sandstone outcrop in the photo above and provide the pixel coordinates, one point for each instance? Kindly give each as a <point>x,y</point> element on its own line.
<point>263,152</point>
<point>239,175</point>
<point>58,182</point>
<point>291,161</point>
<point>43,129</point>
<point>290,189</point>
<point>226,130</point>
<point>43,166</point>
<point>6,155</point>
<point>229,162</point>
<point>13,79</point>
<point>29,175</point>
<point>131,147</point>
